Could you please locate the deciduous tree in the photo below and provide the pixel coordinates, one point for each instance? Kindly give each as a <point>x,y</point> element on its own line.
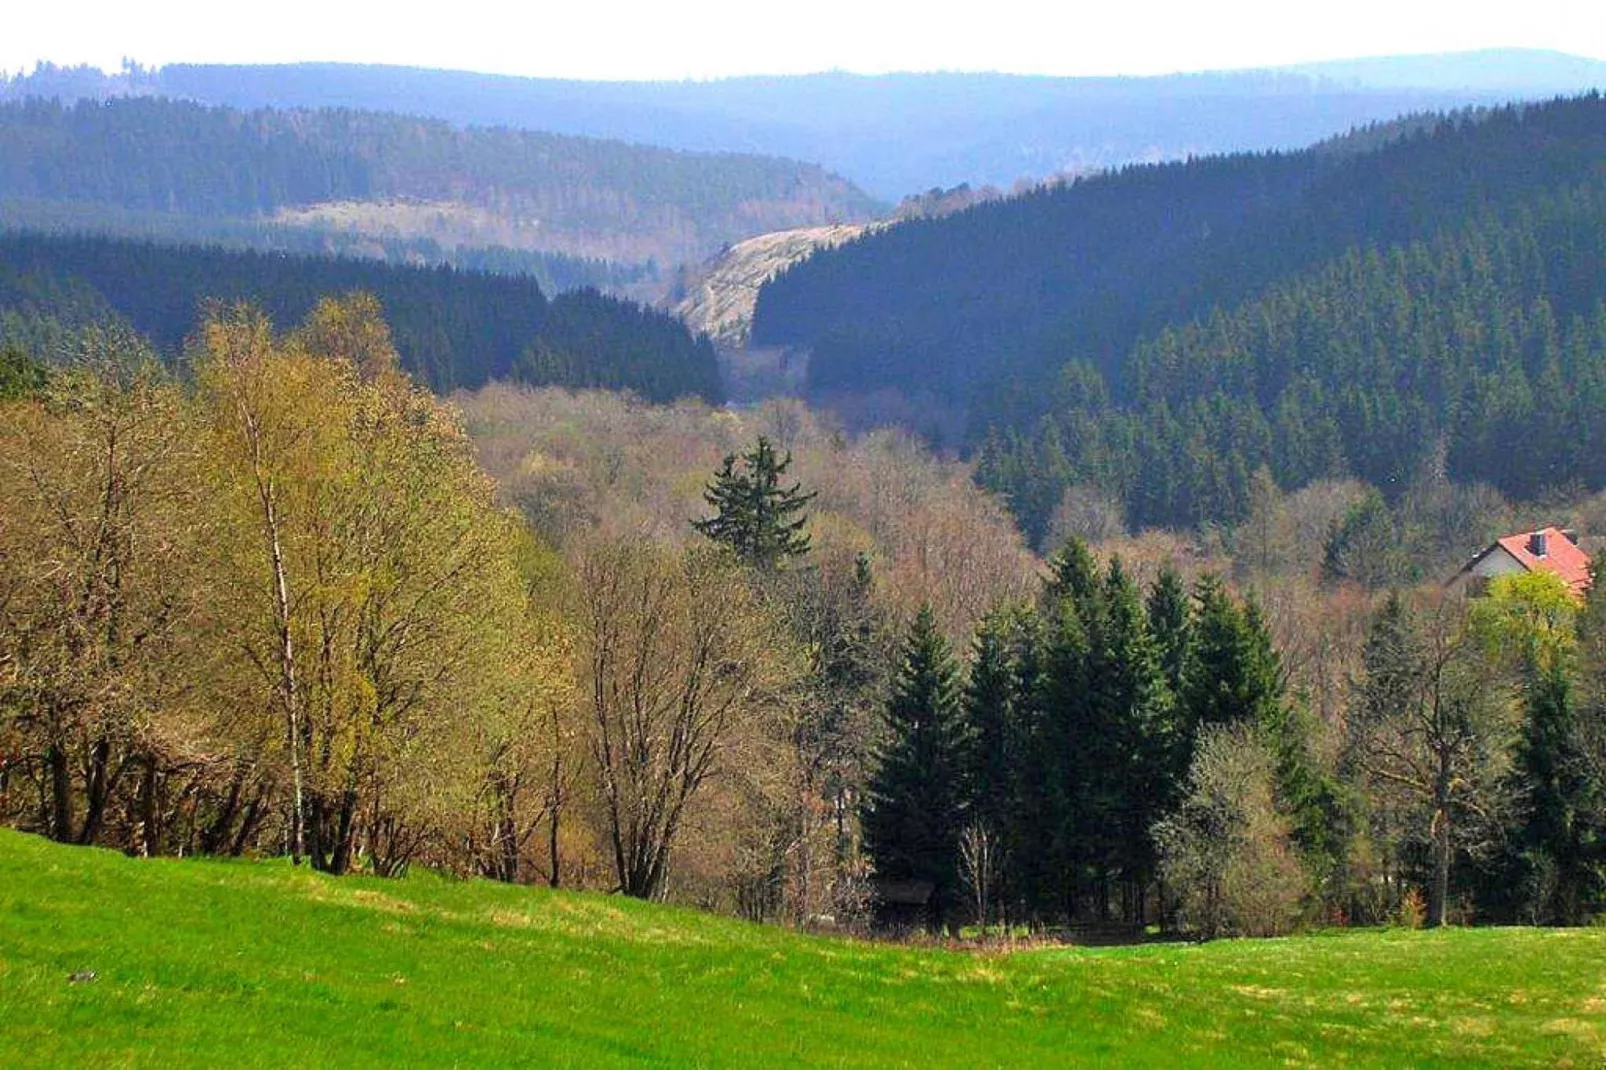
<point>676,660</point>
<point>1433,724</point>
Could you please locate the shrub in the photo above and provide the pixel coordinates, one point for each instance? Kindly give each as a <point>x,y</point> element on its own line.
<point>1226,852</point>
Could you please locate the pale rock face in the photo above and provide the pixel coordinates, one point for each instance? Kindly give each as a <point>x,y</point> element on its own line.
<point>719,296</point>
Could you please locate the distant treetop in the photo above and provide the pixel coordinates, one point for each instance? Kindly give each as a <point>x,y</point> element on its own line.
<point>754,514</point>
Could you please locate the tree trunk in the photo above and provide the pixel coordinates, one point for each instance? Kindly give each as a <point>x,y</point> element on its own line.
<point>102,782</point>
<point>1441,873</point>
<point>345,833</point>
<point>507,834</point>
<point>219,829</point>
<point>287,684</point>
<point>60,795</point>
<point>319,845</point>
<point>1439,895</point>
<point>289,692</point>
<point>254,813</point>
<point>149,833</point>
<point>555,878</point>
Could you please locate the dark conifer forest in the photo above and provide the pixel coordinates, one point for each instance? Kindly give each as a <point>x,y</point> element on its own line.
<point>453,329</point>
<point>1165,331</point>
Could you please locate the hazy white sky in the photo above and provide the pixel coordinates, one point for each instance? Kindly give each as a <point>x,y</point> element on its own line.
<point>709,38</point>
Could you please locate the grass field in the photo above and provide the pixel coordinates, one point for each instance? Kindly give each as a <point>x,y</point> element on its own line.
<point>254,963</point>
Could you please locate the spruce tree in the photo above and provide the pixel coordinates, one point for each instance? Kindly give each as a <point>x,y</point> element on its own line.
<point>917,795</point>
<point>1235,677</point>
<point>1561,836</point>
<point>1232,676</point>
<point>1134,712</point>
<point>1063,742</point>
<point>1170,618</point>
<point>756,515</point>
<point>1028,840</point>
<point>990,716</point>
<point>844,631</point>
<point>1075,575</point>
<point>1170,622</point>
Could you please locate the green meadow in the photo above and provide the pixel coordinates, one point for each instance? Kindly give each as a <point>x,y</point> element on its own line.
<point>257,963</point>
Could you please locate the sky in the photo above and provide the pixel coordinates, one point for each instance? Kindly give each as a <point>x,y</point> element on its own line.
<point>631,39</point>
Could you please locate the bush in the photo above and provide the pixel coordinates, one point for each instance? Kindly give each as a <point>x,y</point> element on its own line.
<point>1226,852</point>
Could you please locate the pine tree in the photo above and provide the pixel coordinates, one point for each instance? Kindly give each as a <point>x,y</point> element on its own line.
<point>20,377</point>
<point>1133,707</point>
<point>1170,621</point>
<point>916,811</point>
<point>1075,575</point>
<point>754,514</point>
<point>1562,835</point>
<point>1063,744</point>
<point>990,717</point>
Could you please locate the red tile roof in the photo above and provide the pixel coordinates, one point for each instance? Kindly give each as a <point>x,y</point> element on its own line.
<point>1562,556</point>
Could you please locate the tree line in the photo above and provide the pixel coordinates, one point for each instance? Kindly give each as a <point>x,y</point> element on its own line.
<point>452,328</point>
<point>258,601</point>
<point>277,606</point>
<point>1115,758</point>
<point>1069,738</point>
<point>553,272</point>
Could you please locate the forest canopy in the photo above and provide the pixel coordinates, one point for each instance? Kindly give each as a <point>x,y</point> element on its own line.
<point>452,328</point>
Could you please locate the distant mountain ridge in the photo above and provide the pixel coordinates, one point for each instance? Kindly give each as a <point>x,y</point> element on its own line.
<point>1520,71</point>
<point>901,133</point>
<point>388,176</point>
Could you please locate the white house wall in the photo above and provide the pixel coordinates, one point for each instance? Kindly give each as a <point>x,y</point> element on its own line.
<point>1498,562</point>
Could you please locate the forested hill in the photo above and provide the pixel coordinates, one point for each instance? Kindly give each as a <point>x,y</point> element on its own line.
<point>452,328</point>
<point>894,134</point>
<point>1385,299</point>
<point>346,170</point>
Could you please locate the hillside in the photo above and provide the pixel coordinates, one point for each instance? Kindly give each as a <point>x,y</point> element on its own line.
<point>452,328</point>
<point>901,133</point>
<point>106,959</point>
<point>716,298</point>
<point>1046,317</point>
<point>385,177</point>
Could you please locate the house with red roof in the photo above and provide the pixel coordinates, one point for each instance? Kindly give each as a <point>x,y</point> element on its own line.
<point>1546,550</point>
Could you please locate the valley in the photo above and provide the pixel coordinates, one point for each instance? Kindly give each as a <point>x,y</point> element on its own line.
<point>977,564</point>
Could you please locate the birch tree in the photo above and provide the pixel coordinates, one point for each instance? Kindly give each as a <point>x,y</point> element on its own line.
<point>97,541</point>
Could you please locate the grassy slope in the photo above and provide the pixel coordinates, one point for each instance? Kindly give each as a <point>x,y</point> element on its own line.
<point>253,963</point>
